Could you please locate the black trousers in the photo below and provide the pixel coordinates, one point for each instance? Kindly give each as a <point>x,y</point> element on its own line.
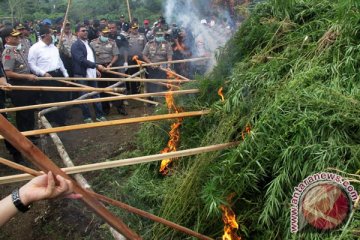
<point>25,120</point>
<point>58,116</point>
<point>133,87</point>
<point>8,146</point>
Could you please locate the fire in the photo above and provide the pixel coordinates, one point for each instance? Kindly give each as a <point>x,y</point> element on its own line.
<point>220,93</point>
<point>136,59</point>
<point>175,128</point>
<point>230,224</point>
<point>247,131</point>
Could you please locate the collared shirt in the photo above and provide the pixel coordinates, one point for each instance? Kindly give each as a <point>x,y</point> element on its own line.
<point>14,60</point>
<point>90,72</point>
<point>45,58</point>
<point>67,41</point>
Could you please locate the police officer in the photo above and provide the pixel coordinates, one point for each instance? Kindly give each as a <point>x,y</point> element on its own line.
<point>107,53</point>
<point>65,49</point>
<point>137,43</point>
<point>157,50</point>
<point>24,39</point>
<point>18,71</point>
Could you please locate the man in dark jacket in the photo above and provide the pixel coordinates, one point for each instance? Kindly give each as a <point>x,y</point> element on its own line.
<point>83,57</point>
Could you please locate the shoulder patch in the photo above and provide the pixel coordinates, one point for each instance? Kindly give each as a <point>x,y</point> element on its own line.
<point>7,57</point>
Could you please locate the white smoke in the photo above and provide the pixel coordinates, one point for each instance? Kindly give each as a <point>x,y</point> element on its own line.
<point>190,13</point>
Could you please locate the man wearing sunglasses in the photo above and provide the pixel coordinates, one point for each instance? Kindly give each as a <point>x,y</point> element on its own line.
<point>84,64</point>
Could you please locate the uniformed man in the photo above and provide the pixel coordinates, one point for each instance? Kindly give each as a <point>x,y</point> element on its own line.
<point>18,71</point>
<point>107,53</point>
<point>157,50</point>
<point>137,43</point>
<point>65,49</point>
<point>24,39</point>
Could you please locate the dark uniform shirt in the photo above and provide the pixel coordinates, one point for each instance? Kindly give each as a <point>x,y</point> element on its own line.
<point>121,42</point>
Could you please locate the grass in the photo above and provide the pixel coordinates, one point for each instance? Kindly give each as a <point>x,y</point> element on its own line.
<point>291,72</point>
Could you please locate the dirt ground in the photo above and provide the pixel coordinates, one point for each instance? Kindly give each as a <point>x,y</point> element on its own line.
<point>61,219</point>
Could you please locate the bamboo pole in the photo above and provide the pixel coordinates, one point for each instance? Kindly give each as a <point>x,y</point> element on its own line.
<point>114,79</point>
<point>114,123</point>
<point>129,12</point>
<point>41,161</point>
<point>156,82</point>
<point>93,100</point>
<point>126,162</point>
<point>61,89</point>
<point>68,163</point>
<point>173,73</point>
<point>159,63</point>
<point>64,23</point>
<point>116,203</point>
<point>111,93</point>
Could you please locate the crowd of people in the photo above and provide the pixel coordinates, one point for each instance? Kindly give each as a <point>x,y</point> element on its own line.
<point>85,50</point>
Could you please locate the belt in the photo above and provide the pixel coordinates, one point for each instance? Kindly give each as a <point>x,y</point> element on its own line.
<point>55,71</point>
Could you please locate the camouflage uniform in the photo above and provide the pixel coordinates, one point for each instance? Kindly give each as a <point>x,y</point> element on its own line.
<point>15,61</point>
<point>157,52</point>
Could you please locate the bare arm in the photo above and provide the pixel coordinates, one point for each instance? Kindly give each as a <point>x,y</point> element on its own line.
<point>39,188</point>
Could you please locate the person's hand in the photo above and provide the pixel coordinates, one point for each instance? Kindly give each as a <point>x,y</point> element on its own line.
<point>109,65</point>
<point>101,68</point>
<point>98,74</point>
<point>3,82</point>
<point>32,77</point>
<point>125,65</point>
<point>44,187</point>
<point>47,75</point>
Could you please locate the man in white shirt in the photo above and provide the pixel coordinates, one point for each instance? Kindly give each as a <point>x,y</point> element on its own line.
<point>84,64</point>
<point>44,60</point>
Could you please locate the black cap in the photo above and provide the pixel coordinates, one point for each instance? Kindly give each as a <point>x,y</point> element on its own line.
<point>44,30</point>
<point>6,32</point>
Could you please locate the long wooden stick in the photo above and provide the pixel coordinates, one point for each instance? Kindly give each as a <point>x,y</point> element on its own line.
<point>114,79</point>
<point>173,73</point>
<point>32,172</point>
<point>41,161</point>
<point>114,123</point>
<point>165,62</point>
<point>129,11</point>
<point>126,162</point>
<point>63,25</point>
<point>93,100</point>
<point>61,89</point>
<point>156,82</point>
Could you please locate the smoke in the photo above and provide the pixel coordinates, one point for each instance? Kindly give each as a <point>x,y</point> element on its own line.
<point>189,14</point>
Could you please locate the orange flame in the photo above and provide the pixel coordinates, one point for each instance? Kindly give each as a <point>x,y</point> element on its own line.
<point>247,131</point>
<point>175,128</point>
<point>220,93</point>
<point>230,224</point>
<point>136,59</point>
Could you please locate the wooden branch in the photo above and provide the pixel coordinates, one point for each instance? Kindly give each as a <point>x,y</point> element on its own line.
<point>64,23</point>
<point>68,163</point>
<point>114,79</point>
<point>173,73</point>
<point>61,89</point>
<point>127,162</point>
<point>160,63</point>
<point>115,203</point>
<point>114,123</point>
<point>93,100</point>
<point>154,82</point>
<point>40,160</point>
